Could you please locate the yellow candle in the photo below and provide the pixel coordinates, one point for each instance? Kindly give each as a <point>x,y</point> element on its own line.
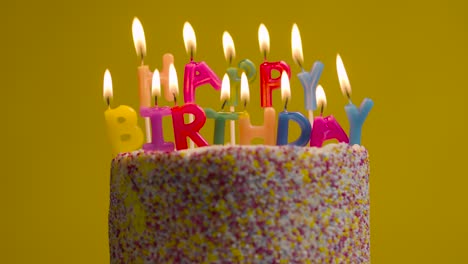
<point>122,129</point>
<point>248,132</point>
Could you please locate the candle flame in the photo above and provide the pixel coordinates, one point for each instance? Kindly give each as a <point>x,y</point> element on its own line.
<point>343,77</point>
<point>156,84</point>
<point>139,37</point>
<point>190,39</point>
<point>285,87</point>
<point>108,94</point>
<point>296,45</point>
<point>225,88</point>
<point>244,88</point>
<point>320,97</point>
<point>228,45</point>
<point>263,39</point>
<point>173,82</point>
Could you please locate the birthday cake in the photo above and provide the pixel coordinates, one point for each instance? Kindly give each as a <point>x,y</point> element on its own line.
<point>241,204</point>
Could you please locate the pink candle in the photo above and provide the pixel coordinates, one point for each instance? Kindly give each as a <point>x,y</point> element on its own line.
<point>325,128</point>
<point>267,82</point>
<point>196,74</point>
<point>157,139</point>
<point>190,130</point>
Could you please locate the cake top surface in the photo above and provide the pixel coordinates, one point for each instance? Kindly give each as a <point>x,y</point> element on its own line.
<point>326,150</point>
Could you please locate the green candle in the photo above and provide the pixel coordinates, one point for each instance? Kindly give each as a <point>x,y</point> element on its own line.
<point>220,119</point>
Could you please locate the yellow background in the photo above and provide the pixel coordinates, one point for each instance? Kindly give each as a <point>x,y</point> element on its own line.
<point>408,56</point>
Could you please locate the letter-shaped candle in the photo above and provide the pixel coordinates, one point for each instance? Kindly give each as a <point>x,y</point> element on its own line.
<point>221,117</point>
<point>144,74</point>
<point>196,73</point>
<point>325,128</point>
<point>191,130</point>
<point>356,116</point>
<point>248,132</point>
<point>309,80</point>
<point>267,82</point>
<point>234,73</point>
<point>122,129</point>
<point>285,116</point>
<point>156,114</point>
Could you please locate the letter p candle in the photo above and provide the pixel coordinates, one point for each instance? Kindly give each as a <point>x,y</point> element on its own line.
<point>267,82</point>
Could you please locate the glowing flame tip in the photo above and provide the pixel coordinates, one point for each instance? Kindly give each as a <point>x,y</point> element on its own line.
<point>296,45</point>
<point>343,77</point>
<point>139,37</point>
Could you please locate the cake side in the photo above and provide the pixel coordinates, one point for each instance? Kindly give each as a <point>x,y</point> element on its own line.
<point>261,204</point>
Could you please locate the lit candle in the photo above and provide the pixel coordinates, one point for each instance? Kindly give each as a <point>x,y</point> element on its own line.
<point>221,117</point>
<point>285,116</point>
<point>309,80</point>
<point>156,114</point>
<point>356,116</point>
<point>234,73</point>
<point>196,73</point>
<point>267,82</point>
<point>122,129</point>
<point>325,128</point>
<point>144,73</point>
<point>183,131</point>
<point>244,65</point>
<point>247,132</point>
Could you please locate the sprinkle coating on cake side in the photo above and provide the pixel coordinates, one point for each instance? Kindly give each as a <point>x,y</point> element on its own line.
<point>241,204</point>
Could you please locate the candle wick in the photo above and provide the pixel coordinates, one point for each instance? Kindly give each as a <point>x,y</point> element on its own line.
<point>245,104</point>
<point>286,104</point>
<point>191,54</point>
<point>156,100</point>
<point>230,60</point>
<point>321,110</point>
<point>224,104</point>
<point>175,98</point>
<point>142,57</point>
<point>108,102</point>
<point>264,55</point>
<point>349,96</point>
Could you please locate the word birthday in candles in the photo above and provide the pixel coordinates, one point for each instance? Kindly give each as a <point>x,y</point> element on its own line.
<point>125,135</point>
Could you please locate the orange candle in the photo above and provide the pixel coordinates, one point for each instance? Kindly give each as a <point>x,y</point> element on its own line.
<point>247,132</point>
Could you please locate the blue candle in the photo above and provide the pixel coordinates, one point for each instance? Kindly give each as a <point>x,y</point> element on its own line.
<point>309,81</point>
<point>356,118</point>
<point>285,116</point>
<point>283,128</point>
